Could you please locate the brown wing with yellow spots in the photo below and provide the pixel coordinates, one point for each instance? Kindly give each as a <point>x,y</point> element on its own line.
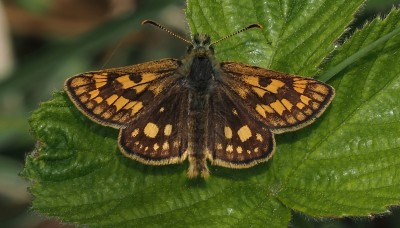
<point>235,138</point>
<point>282,102</point>
<point>159,136</point>
<point>115,97</point>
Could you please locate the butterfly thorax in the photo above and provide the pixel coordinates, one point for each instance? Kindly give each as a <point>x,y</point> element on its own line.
<point>200,58</point>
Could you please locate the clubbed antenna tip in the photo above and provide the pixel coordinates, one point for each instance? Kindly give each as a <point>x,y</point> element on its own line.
<point>165,29</point>
<point>256,25</point>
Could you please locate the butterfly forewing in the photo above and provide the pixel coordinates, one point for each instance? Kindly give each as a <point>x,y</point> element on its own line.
<point>283,102</point>
<point>114,97</point>
<point>159,136</point>
<point>236,139</point>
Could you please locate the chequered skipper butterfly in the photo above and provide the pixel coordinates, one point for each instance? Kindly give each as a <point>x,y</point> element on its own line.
<point>198,108</point>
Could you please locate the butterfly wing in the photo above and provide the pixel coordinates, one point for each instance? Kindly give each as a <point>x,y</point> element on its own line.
<point>250,104</point>
<point>282,102</point>
<point>235,139</point>
<point>159,136</point>
<point>114,97</point>
<point>146,101</point>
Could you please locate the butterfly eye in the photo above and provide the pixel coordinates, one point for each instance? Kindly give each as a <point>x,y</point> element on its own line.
<point>196,38</point>
<point>211,48</point>
<point>207,40</point>
<point>189,48</point>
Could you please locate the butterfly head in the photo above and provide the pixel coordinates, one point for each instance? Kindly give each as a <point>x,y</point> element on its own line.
<point>201,45</point>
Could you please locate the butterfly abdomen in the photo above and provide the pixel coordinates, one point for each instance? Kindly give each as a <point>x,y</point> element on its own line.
<point>200,81</point>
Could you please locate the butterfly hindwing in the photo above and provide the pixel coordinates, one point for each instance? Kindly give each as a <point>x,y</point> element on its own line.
<point>236,139</point>
<point>159,136</point>
<point>283,102</point>
<point>114,97</point>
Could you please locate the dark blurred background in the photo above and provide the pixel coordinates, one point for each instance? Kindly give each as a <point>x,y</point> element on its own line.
<point>42,42</point>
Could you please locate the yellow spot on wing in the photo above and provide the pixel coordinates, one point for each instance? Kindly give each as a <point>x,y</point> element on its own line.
<point>287,104</point>
<point>278,107</point>
<point>299,89</point>
<point>130,105</point>
<point>99,76</point>
<point>219,146</point>
<point>259,137</point>
<point>125,81</point>
<point>228,132</point>
<point>94,93</point>
<point>262,108</point>
<point>120,103</point>
<point>148,77</point>
<point>111,99</point>
<point>320,88</point>
<point>84,98</point>
<point>135,132</point>
<point>261,111</point>
<point>107,114</point>
<point>300,81</point>
<point>100,83</point>
<point>229,148</point>
<point>259,92</point>
<point>175,144</point>
<point>291,120</point>
<point>308,111</point>
<point>274,86</point>
<point>156,89</point>
<point>317,97</point>
<point>80,81</point>
<point>244,133</point>
<point>300,116</point>
<point>99,109</point>
<point>234,112</point>
<point>302,86</point>
<point>239,149</point>
<point>98,100</point>
<point>140,88</point>
<point>151,130</point>
<point>80,90</point>
<point>165,146</point>
<point>242,92</point>
<point>90,105</point>
<point>156,146</point>
<point>300,105</point>
<point>305,99</point>
<point>137,107</point>
<point>315,105</point>
<point>168,130</point>
<point>268,108</point>
<point>251,80</point>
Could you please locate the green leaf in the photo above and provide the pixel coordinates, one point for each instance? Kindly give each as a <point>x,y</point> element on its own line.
<point>302,33</point>
<point>350,166</point>
<point>80,176</point>
<point>342,165</point>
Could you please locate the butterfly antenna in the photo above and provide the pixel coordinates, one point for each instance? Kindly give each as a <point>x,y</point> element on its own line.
<point>165,29</point>
<point>239,31</point>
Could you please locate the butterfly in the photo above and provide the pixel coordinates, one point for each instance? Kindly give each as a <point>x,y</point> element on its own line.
<point>198,108</point>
